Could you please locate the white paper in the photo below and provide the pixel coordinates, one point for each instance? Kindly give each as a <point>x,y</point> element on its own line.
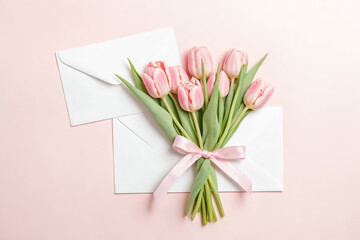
<point>143,155</point>
<point>91,89</point>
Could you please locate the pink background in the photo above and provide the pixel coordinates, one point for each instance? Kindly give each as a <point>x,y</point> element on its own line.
<point>56,181</point>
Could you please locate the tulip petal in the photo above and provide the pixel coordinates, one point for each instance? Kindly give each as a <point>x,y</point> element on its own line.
<point>178,77</point>
<point>210,83</point>
<point>196,97</point>
<point>150,85</point>
<point>200,54</point>
<point>264,98</point>
<point>224,84</point>
<point>183,98</point>
<point>195,56</point>
<point>232,63</point>
<point>191,61</point>
<point>161,82</point>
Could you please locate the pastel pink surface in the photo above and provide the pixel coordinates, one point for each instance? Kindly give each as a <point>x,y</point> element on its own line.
<point>56,181</point>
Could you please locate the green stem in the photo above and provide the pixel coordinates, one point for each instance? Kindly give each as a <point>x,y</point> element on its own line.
<point>240,116</point>
<point>203,210</point>
<point>208,202</point>
<point>201,199</point>
<point>228,102</point>
<point>233,105</point>
<point>197,130</point>
<point>228,124</point>
<point>214,214</point>
<point>197,204</point>
<point>217,197</point>
<point>206,97</point>
<point>175,119</point>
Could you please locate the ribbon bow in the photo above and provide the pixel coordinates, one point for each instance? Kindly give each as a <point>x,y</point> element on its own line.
<point>192,153</point>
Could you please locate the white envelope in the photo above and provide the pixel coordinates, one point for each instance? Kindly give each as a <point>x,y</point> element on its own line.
<point>143,155</point>
<point>91,90</point>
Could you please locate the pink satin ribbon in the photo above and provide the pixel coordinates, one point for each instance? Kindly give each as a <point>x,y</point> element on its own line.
<point>192,153</point>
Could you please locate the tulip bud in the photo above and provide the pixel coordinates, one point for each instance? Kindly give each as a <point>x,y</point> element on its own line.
<point>224,84</point>
<point>258,94</point>
<point>194,62</point>
<point>191,96</point>
<point>156,79</point>
<point>233,61</point>
<point>178,77</point>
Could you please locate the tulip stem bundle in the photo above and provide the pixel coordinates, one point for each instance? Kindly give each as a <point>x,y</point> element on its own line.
<point>218,104</point>
<point>208,189</point>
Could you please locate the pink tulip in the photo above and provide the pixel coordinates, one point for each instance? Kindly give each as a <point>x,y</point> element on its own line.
<point>178,77</point>
<point>191,96</point>
<point>224,84</point>
<point>258,94</point>
<point>194,62</point>
<point>156,79</point>
<point>233,61</point>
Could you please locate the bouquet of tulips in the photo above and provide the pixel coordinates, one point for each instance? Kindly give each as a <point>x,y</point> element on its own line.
<point>200,115</point>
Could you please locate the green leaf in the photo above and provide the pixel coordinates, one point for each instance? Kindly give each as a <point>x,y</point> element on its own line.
<point>200,179</point>
<point>161,116</point>
<point>221,111</point>
<point>206,97</point>
<point>247,80</point>
<point>239,98</point>
<point>228,101</point>
<point>184,119</point>
<point>137,78</point>
<point>199,162</point>
<point>211,129</point>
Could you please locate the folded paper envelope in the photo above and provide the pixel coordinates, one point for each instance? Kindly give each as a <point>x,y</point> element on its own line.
<point>91,90</point>
<point>143,155</point>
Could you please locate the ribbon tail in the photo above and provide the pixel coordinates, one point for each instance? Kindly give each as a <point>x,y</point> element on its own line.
<point>180,167</point>
<point>235,174</point>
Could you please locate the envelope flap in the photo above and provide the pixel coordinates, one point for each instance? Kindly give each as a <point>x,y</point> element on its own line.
<point>261,133</point>
<point>144,127</point>
<point>255,124</point>
<point>269,141</point>
<point>103,60</point>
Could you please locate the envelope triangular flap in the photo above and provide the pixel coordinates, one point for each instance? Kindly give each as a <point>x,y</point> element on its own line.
<point>103,60</point>
<point>138,167</point>
<point>254,125</point>
<point>261,133</point>
<point>270,141</point>
<point>87,74</point>
<point>144,126</point>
